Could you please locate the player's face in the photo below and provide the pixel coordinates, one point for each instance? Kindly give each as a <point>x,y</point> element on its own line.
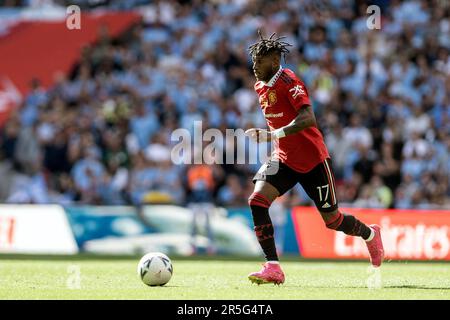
<point>264,67</point>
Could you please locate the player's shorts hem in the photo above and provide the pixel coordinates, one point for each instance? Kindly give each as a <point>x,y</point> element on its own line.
<point>279,175</point>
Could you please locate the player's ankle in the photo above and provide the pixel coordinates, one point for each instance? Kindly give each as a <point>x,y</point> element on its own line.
<point>371,236</point>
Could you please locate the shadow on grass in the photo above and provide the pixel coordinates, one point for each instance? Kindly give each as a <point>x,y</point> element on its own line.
<point>412,286</point>
<point>324,287</point>
<point>365,287</point>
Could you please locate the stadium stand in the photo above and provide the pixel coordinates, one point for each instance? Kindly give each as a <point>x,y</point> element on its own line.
<point>100,133</point>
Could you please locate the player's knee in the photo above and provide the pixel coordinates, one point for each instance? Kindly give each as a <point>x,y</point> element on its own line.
<point>333,219</point>
<point>257,199</point>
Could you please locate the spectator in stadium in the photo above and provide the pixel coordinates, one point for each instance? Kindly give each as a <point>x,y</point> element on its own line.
<point>88,175</point>
<point>231,194</point>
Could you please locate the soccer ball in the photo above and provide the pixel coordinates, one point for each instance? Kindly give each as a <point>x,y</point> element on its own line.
<point>155,269</point>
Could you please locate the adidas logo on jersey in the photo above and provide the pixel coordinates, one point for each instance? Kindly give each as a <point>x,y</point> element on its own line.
<point>326,205</point>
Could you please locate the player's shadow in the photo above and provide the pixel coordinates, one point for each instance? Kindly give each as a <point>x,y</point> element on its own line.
<point>412,286</point>
<point>365,287</point>
<point>325,287</point>
<point>166,286</point>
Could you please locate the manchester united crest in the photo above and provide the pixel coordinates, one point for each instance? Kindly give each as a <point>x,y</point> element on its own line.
<point>272,97</point>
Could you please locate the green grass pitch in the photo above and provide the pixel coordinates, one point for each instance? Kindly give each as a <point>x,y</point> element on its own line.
<point>218,279</point>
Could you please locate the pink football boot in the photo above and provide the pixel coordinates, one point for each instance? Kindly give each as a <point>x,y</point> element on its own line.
<point>270,273</point>
<point>375,247</point>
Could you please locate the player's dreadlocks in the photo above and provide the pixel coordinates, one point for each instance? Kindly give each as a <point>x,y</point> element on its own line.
<point>266,46</point>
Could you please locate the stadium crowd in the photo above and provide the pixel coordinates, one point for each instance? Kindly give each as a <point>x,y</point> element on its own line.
<point>102,135</point>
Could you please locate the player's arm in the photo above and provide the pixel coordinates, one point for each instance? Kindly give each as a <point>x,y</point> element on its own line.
<point>298,97</point>
<point>303,120</point>
<point>259,135</point>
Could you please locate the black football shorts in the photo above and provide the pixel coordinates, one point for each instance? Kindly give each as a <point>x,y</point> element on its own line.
<point>317,183</point>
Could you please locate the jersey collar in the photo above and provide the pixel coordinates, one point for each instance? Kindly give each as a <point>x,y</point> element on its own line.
<point>275,77</point>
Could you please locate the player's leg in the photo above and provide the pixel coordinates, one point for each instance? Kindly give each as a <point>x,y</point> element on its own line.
<point>259,201</point>
<point>269,184</point>
<point>320,186</point>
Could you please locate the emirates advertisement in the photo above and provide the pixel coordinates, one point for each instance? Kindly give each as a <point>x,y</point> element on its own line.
<point>406,234</point>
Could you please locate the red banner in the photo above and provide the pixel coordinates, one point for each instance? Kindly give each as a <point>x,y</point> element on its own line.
<point>41,49</point>
<point>406,234</point>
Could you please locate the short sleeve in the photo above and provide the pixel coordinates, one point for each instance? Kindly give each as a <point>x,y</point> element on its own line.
<point>298,95</point>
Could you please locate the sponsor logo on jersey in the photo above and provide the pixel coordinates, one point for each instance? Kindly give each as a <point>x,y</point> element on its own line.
<point>274,115</point>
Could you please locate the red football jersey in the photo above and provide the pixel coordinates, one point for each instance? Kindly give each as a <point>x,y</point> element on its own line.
<point>280,100</point>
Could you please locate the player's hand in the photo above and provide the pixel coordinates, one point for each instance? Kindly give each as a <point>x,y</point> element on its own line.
<point>259,135</point>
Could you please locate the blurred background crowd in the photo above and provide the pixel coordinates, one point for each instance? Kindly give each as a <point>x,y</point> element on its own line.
<point>102,134</point>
